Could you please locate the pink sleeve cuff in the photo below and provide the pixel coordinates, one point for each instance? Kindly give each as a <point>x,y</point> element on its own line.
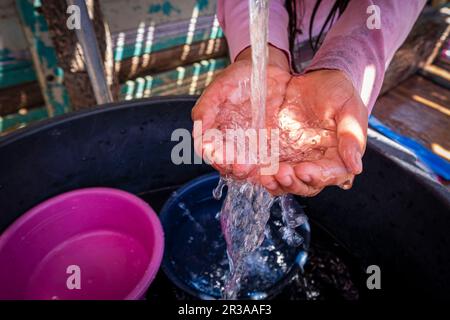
<point>233,17</point>
<point>364,53</point>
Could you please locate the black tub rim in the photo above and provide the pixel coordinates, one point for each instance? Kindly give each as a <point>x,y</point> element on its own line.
<point>435,187</point>
<point>378,158</point>
<point>51,122</point>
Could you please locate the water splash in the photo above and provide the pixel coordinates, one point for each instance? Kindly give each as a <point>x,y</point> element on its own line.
<point>246,208</point>
<point>259,17</point>
<point>243,219</point>
<point>291,219</point>
<point>245,212</point>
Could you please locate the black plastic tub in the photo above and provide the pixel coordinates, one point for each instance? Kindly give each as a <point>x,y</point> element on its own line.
<point>391,218</point>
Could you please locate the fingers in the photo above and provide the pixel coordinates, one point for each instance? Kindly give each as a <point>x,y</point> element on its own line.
<point>271,184</point>
<point>207,106</point>
<point>308,178</point>
<point>205,134</point>
<point>210,147</point>
<point>352,133</point>
<point>241,171</point>
<point>233,81</point>
<point>289,182</point>
<point>215,154</point>
<point>347,184</point>
<point>324,172</point>
<point>350,152</point>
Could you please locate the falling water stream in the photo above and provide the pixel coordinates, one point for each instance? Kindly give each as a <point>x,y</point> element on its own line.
<point>247,206</point>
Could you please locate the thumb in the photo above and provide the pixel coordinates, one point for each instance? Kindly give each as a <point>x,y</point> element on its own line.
<point>352,133</point>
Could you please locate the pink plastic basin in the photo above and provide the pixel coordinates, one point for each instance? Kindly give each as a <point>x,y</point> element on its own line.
<point>95,243</point>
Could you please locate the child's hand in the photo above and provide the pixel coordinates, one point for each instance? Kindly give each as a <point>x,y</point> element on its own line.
<point>225,103</point>
<point>322,122</point>
<point>325,105</point>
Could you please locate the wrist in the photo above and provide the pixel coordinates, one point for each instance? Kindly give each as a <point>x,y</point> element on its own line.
<point>330,72</point>
<point>277,57</point>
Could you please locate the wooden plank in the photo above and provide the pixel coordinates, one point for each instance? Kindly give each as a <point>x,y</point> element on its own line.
<point>15,73</point>
<point>156,12</point>
<point>161,61</point>
<point>182,75</point>
<point>28,95</point>
<point>417,108</point>
<point>49,75</point>
<point>191,79</point>
<point>71,58</point>
<point>19,120</point>
<point>149,38</point>
<point>417,48</point>
<point>24,96</point>
<point>191,86</point>
<point>419,86</point>
<point>12,37</point>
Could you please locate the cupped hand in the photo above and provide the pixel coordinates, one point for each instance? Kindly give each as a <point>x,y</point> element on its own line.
<point>323,124</point>
<point>320,116</point>
<point>225,104</point>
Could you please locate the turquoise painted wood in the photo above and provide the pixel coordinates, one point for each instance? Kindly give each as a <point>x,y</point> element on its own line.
<point>142,87</point>
<point>155,85</point>
<point>18,120</point>
<point>159,24</point>
<point>49,74</point>
<point>15,61</point>
<point>161,30</point>
<point>130,50</point>
<point>16,72</point>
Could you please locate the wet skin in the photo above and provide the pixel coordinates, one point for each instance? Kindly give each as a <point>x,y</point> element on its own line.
<point>321,118</point>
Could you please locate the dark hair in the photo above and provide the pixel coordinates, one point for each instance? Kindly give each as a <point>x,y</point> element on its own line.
<point>292,9</point>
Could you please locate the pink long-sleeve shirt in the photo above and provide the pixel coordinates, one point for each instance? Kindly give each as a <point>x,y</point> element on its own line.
<point>354,44</point>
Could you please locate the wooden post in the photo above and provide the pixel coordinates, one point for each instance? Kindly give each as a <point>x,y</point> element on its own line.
<point>70,55</point>
<point>416,49</point>
<point>48,73</point>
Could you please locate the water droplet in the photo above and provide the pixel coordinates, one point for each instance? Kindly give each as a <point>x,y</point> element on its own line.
<point>291,237</point>
<point>217,192</point>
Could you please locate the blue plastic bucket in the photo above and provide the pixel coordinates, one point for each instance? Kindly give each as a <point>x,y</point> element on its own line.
<point>195,251</point>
